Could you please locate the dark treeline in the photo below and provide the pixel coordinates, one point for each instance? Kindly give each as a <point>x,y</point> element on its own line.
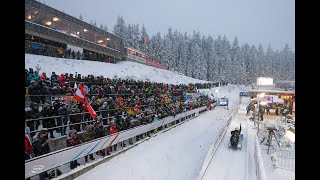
<point>206,58</point>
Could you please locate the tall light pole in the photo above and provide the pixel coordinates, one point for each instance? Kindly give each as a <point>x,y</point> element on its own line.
<point>259,97</point>
<point>217,90</point>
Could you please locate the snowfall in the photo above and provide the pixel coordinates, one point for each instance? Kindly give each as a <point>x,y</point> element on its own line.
<point>180,152</point>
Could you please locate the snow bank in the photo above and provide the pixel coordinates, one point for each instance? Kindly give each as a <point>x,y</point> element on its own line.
<point>124,70</point>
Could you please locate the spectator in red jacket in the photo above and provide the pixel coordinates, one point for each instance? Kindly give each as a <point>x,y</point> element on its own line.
<point>73,140</point>
<point>112,130</point>
<point>62,80</point>
<point>43,76</point>
<point>27,147</point>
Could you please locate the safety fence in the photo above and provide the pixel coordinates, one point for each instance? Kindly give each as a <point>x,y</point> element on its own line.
<point>215,144</point>
<point>283,158</point>
<point>260,170</point>
<point>52,161</point>
<point>78,120</point>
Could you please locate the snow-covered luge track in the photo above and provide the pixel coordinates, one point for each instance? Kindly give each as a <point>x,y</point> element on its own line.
<point>228,163</point>
<point>180,152</point>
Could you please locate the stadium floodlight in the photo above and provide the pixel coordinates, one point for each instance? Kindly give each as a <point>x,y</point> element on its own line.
<point>290,135</point>
<point>85,30</point>
<point>263,103</point>
<point>261,95</point>
<point>55,19</point>
<point>48,23</point>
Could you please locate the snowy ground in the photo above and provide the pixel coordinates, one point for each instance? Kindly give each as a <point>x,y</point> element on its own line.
<point>124,70</point>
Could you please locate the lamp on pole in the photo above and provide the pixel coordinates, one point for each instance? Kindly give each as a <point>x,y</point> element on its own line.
<point>259,97</point>
<point>217,90</point>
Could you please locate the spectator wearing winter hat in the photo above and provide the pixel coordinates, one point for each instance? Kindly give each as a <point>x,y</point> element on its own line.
<point>112,130</point>
<point>32,113</point>
<point>54,78</point>
<point>41,146</point>
<point>62,80</point>
<point>155,119</point>
<point>100,131</point>
<point>34,91</point>
<point>89,135</point>
<point>75,117</point>
<point>73,140</point>
<point>49,122</point>
<point>36,76</point>
<point>41,143</point>
<point>44,77</point>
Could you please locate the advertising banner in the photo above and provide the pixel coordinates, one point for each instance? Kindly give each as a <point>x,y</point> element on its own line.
<point>223,102</point>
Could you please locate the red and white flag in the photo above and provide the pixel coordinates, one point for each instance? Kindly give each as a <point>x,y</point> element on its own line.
<point>93,114</point>
<point>80,95</point>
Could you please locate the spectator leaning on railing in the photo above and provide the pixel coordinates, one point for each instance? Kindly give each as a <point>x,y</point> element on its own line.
<point>73,140</point>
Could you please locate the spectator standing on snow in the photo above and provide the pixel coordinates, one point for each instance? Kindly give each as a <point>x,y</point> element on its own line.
<point>73,140</point>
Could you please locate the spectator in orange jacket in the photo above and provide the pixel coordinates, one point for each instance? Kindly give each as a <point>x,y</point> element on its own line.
<point>60,52</point>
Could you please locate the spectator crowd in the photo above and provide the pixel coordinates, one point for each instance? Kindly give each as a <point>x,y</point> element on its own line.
<point>110,98</point>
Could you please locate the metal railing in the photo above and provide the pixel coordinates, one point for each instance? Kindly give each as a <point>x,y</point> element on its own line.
<point>64,121</point>
<point>178,120</point>
<point>283,158</point>
<point>30,26</point>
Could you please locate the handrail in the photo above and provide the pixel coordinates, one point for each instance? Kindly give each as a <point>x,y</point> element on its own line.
<point>49,161</point>
<point>215,144</point>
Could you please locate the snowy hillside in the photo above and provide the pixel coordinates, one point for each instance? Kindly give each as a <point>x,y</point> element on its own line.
<point>123,70</point>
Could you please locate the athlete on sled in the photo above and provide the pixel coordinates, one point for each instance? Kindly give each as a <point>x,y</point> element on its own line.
<point>236,138</point>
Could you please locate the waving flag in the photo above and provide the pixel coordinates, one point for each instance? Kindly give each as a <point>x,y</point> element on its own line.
<point>80,95</point>
<point>93,114</point>
<point>133,111</point>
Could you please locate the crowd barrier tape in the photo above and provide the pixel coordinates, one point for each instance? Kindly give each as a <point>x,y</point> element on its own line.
<point>215,144</point>
<point>57,158</point>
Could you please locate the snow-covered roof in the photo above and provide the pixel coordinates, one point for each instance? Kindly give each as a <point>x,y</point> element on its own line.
<point>271,91</point>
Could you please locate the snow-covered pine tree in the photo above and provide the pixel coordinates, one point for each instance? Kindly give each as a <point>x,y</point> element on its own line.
<point>184,54</point>
<point>199,70</point>
<point>156,46</point>
<point>253,59</point>
<point>218,46</point>
<point>235,62</point>
<point>268,62</point>
<point>288,63</point>
<point>260,61</point>
<point>129,36</point>
<point>168,55</point>
<point>248,65</point>
<point>144,40</point>
<point>119,28</point>
<point>136,36</point>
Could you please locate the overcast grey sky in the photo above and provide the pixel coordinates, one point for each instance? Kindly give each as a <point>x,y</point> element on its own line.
<point>252,21</point>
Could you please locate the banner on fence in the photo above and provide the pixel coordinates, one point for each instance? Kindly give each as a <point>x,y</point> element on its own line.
<point>64,99</point>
